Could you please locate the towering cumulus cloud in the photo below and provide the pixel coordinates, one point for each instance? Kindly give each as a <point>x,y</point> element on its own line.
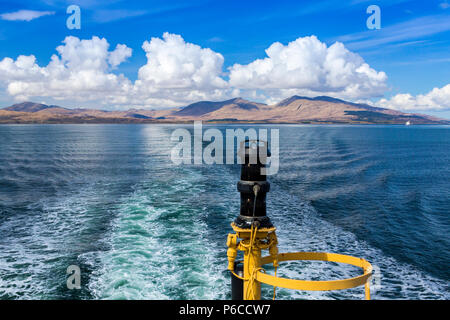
<point>178,71</point>
<point>308,66</point>
<point>80,72</point>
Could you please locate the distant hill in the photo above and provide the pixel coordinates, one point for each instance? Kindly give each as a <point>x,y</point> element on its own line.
<point>27,107</point>
<point>326,99</point>
<point>204,107</point>
<point>296,109</point>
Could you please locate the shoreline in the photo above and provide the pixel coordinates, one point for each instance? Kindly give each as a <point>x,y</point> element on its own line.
<point>224,123</point>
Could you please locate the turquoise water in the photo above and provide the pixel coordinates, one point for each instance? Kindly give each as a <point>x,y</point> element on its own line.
<point>108,199</point>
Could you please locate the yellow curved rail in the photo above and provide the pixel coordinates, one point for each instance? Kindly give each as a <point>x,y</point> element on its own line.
<point>318,285</point>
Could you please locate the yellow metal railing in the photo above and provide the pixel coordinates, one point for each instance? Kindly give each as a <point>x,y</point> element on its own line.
<point>254,240</point>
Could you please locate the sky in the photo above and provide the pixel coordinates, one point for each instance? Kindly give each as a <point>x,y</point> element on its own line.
<point>159,54</point>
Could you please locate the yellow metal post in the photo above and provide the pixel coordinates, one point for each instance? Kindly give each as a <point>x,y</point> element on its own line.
<point>252,263</point>
<point>367,289</point>
<point>253,241</point>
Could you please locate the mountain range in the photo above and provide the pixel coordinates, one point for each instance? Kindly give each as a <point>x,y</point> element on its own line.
<point>296,109</point>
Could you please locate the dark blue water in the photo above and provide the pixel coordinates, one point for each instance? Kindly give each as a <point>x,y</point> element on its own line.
<point>108,199</point>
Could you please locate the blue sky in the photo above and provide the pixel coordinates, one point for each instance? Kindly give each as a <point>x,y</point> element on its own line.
<point>411,48</point>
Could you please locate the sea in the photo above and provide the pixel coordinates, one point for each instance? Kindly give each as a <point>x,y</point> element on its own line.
<point>109,200</point>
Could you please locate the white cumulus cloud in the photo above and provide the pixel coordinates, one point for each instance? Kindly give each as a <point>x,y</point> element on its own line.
<point>25,15</point>
<point>119,55</point>
<point>180,71</point>
<point>308,65</point>
<point>435,100</point>
<point>80,72</point>
<point>173,63</point>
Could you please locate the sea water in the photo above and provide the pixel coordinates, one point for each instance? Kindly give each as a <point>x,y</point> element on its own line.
<point>108,198</point>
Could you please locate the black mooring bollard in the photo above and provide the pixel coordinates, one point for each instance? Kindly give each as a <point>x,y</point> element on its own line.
<point>253,184</point>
